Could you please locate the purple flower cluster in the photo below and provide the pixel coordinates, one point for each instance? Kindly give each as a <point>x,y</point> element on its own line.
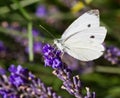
<point>51,56</point>
<point>37,47</point>
<point>35,32</point>
<point>21,39</point>
<point>112,54</point>
<point>41,11</point>
<point>18,76</point>
<point>23,84</point>
<point>70,83</point>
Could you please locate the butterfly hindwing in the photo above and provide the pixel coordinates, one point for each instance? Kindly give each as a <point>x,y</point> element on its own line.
<point>85,51</point>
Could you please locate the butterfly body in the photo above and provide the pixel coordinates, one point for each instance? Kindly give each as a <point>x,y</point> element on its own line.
<point>60,45</point>
<point>84,37</point>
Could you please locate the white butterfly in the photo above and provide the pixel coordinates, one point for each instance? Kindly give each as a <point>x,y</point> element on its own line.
<point>84,37</point>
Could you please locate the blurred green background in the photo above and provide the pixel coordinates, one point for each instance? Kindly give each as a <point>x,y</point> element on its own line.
<point>19,17</point>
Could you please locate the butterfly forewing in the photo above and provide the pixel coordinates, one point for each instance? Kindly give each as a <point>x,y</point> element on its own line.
<point>96,34</point>
<point>88,20</point>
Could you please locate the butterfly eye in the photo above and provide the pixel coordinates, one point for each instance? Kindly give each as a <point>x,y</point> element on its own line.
<point>92,36</point>
<point>89,25</point>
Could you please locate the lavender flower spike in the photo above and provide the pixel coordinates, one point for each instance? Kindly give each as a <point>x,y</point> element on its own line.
<point>112,54</point>
<point>23,84</point>
<point>72,84</point>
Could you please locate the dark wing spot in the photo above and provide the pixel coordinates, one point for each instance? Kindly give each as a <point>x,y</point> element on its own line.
<point>89,25</point>
<point>92,36</point>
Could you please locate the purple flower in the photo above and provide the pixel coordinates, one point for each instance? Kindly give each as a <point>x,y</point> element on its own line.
<point>3,93</point>
<point>37,47</point>
<point>18,70</point>
<point>48,62</point>
<point>112,54</point>
<point>16,80</point>
<point>47,49</point>
<point>41,11</point>
<point>12,68</point>
<point>51,56</point>
<point>2,71</point>
<point>18,75</point>
<point>2,46</point>
<point>56,63</point>
<point>7,94</point>
<point>35,32</point>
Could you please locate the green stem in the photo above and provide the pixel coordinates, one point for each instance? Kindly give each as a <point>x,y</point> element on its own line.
<point>10,32</point>
<point>30,43</point>
<point>112,70</point>
<point>22,10</point>
<point>23,3</point>
<point>30,36</point>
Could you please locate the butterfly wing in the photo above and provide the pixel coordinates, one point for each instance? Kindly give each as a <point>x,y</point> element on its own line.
<point>86,45</point>
<point>85,52</point>
<point>96,34</point>
<point>88,20</point>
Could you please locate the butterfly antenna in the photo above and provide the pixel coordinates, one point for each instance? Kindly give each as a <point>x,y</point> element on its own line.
<point>47,31</point>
